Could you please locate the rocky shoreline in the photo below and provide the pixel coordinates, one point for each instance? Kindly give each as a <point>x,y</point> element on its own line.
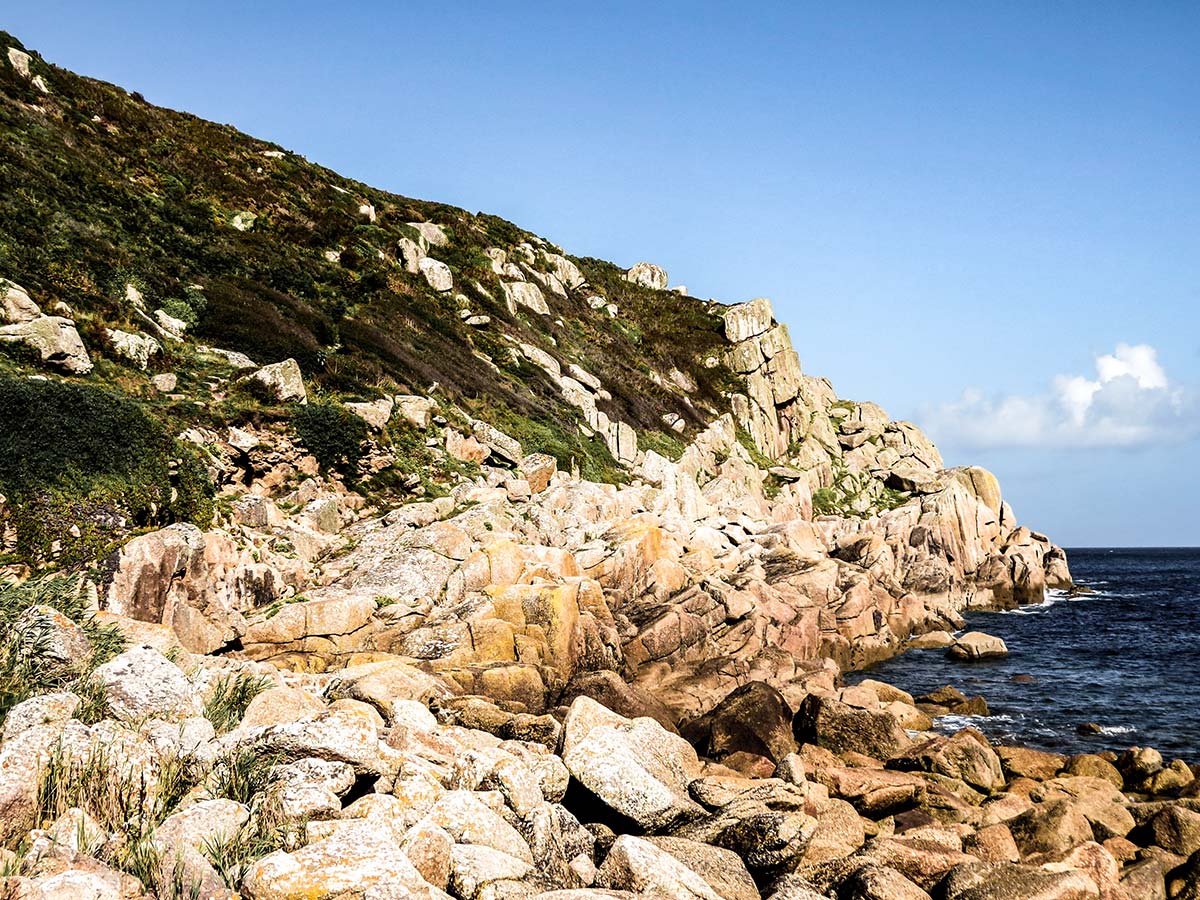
<point>375,782</point>
<point>503,574</point>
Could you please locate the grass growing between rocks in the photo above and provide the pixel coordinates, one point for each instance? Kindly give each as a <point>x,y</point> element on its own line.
<point>30,661</point>
<point>123,798</point>
<point>230,698</point>
<point>266,831</point>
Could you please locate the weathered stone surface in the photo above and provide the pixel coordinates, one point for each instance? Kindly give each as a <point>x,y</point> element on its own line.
<point>196,583</point>
<point>376,414</point>
<point>16,304</point>
<point>44,709</point>
<point>842,728</point>
<point>137,348</point>
<point>636,767</point>
<point>1008,881</point>
<point>637,865</point>
<point>966,756</point>
<point>1022,762</point>
<point>417,411</point>
<point>722,869</point>
<point>752,719</point>
<point>538,469</point>
<point>880,883</point>
<point>346,864</point>
<point>975,645</point>
<point>526,294</point>
<point>283,381</point>
<point>647,275</point>
<point>461,815</point>
<point>748,320</point>
<point>54,339</point>
<point>141,682</point>
<point>437,274</point>
<point>1052,827</point>
<point>1175,829</point>
<point>498,442</point>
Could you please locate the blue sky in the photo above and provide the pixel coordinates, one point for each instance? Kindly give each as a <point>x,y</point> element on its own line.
<point>963,211</point>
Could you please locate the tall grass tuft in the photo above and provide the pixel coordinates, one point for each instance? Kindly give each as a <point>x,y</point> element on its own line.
<point>266,831</point>
<point>27,667</point>
<point>230,698</point>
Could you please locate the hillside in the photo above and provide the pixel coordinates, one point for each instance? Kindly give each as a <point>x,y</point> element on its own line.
<point>405,549</point>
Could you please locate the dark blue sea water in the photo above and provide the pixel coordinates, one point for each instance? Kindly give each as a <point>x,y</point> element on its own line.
<point>1126,657</point>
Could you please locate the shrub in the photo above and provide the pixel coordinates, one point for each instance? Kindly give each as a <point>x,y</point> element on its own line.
<point>80,465</point>
<point>333,435</point>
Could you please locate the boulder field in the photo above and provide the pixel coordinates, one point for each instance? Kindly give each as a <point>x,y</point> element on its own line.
<point>377,782</point>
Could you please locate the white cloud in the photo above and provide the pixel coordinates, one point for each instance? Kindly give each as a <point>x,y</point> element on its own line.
<point>1129,402</point>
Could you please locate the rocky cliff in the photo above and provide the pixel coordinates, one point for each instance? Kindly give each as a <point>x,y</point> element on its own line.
<point>530,474</point>
<point>358,547</point>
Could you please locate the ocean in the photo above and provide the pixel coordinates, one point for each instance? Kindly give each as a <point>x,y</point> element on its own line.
<point>1126,657</point>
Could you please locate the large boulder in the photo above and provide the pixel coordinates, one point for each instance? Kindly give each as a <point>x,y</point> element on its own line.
<point>343,865</point>
<point>842,728</point>
<point>283,381</point>
<point>647,275</point>
<point>975,645</point>
<point>137,348</point>
<point>722,869</point>
<point>142,683</point>
<point>1052,827</point>
<point>437,274</point>
<point>55,340</point>
<point>752,719</point>
<point>638,866</point>
<point>748,320</point>
<point>16,306</point>
<point>1009,881</point>
<point>526,294</point>
<point>197,583</point>
<point>966,756</point>
<point>634,766</point>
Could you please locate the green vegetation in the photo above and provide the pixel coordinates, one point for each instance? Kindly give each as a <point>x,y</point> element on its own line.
<point>29,661</point>
<point>333,435</point>
<point>855,495</point>
<point>82,465</point>
<point>103,189</point>
<point>669,445</point>
<point>123,798</point>
<point>757,457</point>
<point>230,698</point>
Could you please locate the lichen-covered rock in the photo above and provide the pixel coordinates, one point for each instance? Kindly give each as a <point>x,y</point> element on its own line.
<point>16,304</point>
<point>976,645</point>
<point>755,718</point>
<point>137,348</point>
<point>54,339</point>
<point>841,728</point>
<point>141,682</point>
<point>635,767</point>
<point>437,274</point>
<point>283,381</point>
<point>647,275</point>
<point>526,294</point>
<point>637,865</point>
<point>347,864</point>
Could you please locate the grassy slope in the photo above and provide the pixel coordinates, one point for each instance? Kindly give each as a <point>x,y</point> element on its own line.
<point>98,187</point>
